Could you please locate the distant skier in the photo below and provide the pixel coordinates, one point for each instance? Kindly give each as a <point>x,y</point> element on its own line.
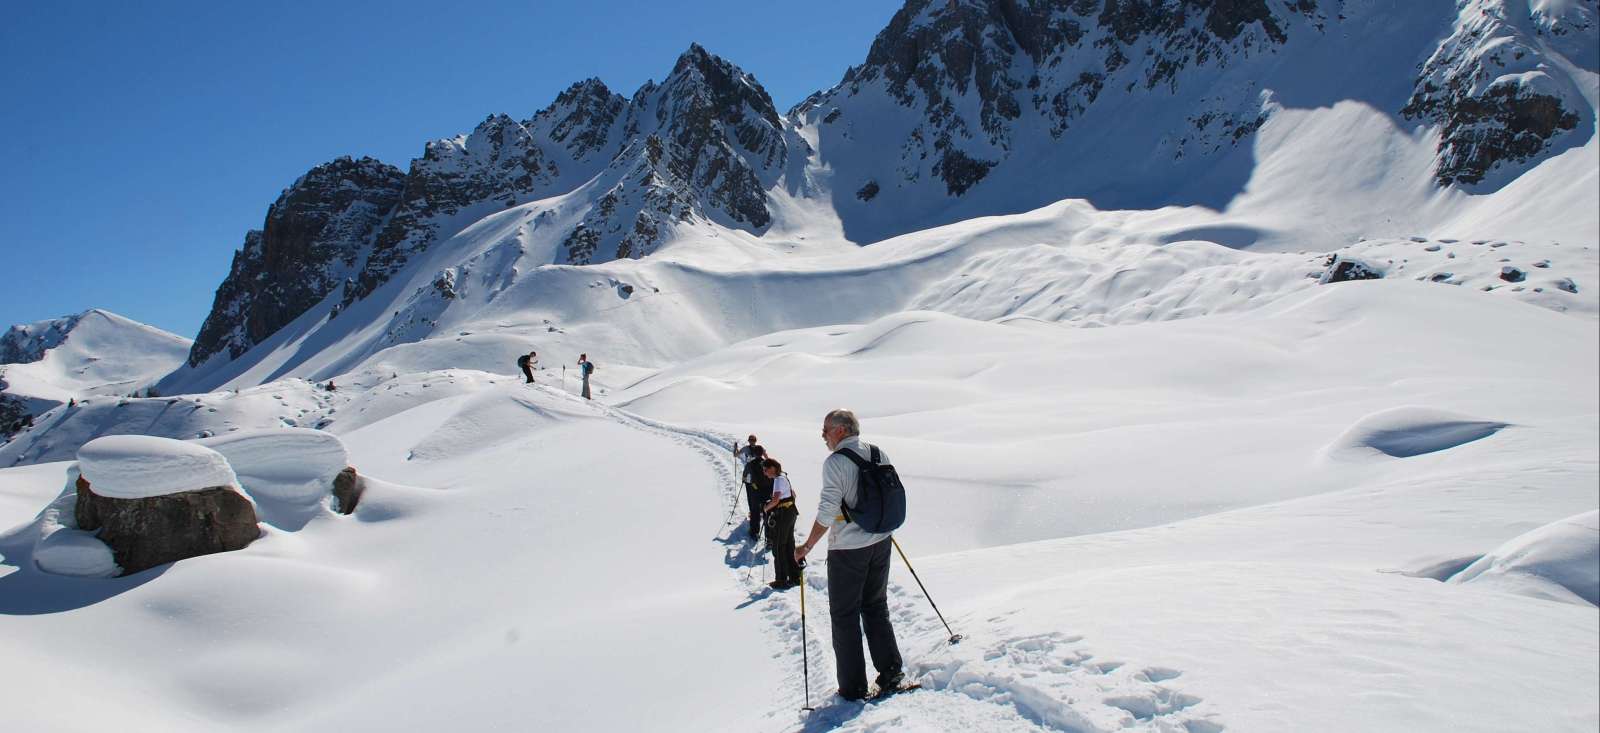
<point>526,363</point>
<point>585,368</point>
<point>858,564</point>
<point>757,488</point>
<point>781,513</point>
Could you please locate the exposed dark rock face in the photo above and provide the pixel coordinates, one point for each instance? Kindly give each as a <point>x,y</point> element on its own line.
<point>1488,89</point>
<point>1512,274</point>
<point>348,487</point>
<point>1341,269</point>
<point>1050,58</point>
<point>313,239</point>
<point>27,343</point>
<point>14,415</point>
<point>144,533</point>
<point>703,144</point>
<point>501,163</point>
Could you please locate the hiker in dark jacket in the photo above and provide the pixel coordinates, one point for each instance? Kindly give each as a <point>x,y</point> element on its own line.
<point>526,363</point>
<point>781,513</point>
<point>757,489</point>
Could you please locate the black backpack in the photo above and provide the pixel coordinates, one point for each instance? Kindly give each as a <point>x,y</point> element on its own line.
<point>880,497</point>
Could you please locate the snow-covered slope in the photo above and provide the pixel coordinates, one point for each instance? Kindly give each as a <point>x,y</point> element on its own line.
<point>46,364</point>
<point>1236,521</point>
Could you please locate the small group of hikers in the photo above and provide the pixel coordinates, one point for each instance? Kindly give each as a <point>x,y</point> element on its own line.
<point>530,361</point>
<point>858,510</point>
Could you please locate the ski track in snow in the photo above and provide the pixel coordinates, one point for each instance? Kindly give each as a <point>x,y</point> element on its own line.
<point>996,682</point>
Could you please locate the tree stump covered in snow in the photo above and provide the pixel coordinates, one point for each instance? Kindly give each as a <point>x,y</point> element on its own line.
<point>155,501</point>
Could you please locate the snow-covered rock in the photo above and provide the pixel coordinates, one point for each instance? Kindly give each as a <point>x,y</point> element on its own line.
<point>76,553</point>
<point>140,466</point>
<point>285,464</point>
<point>1559,561</point>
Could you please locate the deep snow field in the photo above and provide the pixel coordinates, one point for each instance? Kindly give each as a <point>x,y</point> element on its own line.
<point>1251,516</point>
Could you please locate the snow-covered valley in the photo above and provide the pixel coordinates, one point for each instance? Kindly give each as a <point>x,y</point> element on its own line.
<point>1305,438</point>
<point>1236,521</point>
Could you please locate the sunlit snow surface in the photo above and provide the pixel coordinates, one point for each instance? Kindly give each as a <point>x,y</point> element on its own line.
<point>1188,525</point>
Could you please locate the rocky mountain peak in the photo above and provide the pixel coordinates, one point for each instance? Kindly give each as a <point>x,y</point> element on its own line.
<point>703,143</point>
<point>581,118</point>
<point>312,240</point>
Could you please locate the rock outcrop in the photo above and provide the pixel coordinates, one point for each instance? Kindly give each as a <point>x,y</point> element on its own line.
<point>1344,269</point>
<point>348,487</point>
<point>153,530</point>
<point>26,343</point>
<point>703,144</point>
<point>981,76</point>
<point>315,237</point>
<point>1489,87</point>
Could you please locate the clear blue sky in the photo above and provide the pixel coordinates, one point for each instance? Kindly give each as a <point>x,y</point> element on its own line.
<point>141,140</point>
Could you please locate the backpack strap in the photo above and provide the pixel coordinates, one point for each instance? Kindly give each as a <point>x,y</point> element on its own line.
<point>862,464</point>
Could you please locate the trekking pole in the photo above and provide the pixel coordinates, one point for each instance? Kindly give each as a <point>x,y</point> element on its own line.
<point>954,637</point>
<point>805,651</point>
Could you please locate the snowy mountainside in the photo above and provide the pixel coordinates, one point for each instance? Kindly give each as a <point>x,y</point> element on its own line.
<point>1286,125</point>
<point>49,363</point>
<point>703,145</point>
<point>971,108</point>
<point>1066,264</point>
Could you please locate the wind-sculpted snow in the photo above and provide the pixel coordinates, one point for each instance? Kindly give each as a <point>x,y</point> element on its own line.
<point>1134,527</point>
<point>1557,561</point>
<point>138,466</point>
<point>1405,432</point>
<point>285,464</point>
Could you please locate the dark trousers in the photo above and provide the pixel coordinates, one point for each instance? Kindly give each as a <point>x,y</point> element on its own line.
<point>527,373</point>
<point>756,498</point>
<point>780,537</point>
<point>858,596</point>
<point>586,387</point>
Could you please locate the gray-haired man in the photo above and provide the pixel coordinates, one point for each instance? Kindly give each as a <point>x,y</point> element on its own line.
<point>858,567</point>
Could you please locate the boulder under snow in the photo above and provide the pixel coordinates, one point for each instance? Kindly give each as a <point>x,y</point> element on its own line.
<point>156,500</point>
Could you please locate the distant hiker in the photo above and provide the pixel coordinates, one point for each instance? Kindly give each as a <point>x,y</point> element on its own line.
<point>858,564</point>
<point>585,368</point>
<point>781,513</point>
<point>330,386</point>
<point>757,489</point>
<point>741,453</point>
<point>526,363</point>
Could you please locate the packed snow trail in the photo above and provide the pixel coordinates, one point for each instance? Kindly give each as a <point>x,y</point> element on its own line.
<point>1027,682</point>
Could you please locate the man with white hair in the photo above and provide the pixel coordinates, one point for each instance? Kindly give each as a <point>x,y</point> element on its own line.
<point>858,566</point>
